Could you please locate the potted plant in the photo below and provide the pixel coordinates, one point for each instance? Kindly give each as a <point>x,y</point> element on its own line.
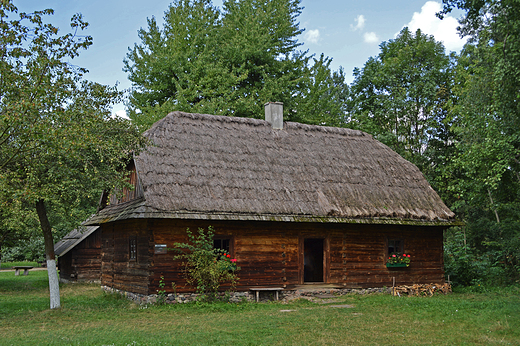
<point>396,260</point>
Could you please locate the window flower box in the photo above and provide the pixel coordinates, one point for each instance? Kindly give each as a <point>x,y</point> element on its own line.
<point>397,260</point>
<point>397,265</point>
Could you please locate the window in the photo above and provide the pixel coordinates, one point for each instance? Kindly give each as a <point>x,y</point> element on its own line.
<point>222,244</point>
<point>133,248</point>
<point>395,246</point>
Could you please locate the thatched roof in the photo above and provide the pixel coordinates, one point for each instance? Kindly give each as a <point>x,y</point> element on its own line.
<point>217,167</point>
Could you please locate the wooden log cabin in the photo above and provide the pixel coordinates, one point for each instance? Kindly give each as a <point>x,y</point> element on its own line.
<point>79,255</point>
<point>295,204</point>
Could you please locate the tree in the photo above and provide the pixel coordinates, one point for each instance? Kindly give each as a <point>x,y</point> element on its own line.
<point>399,96</point>
<point>488,123</point>
<point>228,62</point>
<point>489,78</point>
<point>259,43</point>
<point>178,67</point>
<point>58,141</point>
<point>324,95</point>
<point>16,224</point>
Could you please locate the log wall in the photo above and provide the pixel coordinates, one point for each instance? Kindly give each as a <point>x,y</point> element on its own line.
<point>117,270</point>
<point>271,253</point>
<point>83,262</point>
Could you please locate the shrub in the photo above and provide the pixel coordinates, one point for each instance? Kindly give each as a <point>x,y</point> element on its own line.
<point>206,268</point>
<point>26,250</point>
<point>491,265</point>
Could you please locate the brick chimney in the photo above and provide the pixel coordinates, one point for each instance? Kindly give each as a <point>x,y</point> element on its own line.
<point>274,114</point>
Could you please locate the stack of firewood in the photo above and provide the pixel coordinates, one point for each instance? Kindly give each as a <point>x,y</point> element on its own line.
<point>421,290</point>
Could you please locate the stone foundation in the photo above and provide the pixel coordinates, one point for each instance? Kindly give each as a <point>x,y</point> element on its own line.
<point>238,297</point>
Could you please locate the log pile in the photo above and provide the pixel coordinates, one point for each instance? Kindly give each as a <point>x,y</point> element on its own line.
<point>421,289</point>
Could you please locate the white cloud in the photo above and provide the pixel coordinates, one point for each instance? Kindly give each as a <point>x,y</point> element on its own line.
<point>360,23</point>
<point>443,30</point>
<point>370,37</point>
<point>312,36</point>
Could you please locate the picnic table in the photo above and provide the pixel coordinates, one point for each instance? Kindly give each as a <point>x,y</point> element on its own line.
<point>25,270</point>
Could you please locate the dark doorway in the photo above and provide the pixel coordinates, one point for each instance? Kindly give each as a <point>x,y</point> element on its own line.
<point>313,260</point>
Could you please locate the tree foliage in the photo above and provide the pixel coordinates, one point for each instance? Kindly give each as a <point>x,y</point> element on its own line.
<point>228,62</point>
<point>457,118</point>
<point>399,95</point>
<point>59,144</point>
<point>486,119</point>
<point>323,96</point>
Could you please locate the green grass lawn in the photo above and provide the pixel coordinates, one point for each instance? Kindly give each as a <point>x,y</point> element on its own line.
<point>90,317</point>
<point>9,265</point>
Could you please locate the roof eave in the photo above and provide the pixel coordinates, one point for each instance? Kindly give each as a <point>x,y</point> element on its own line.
<point>74,241</point>
<point>220,216</point>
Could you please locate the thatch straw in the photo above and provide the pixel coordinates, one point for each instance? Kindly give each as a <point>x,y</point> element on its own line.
<point>209,165</point>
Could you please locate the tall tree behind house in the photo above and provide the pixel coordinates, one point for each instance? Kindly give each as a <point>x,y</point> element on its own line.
<point>226,62</point>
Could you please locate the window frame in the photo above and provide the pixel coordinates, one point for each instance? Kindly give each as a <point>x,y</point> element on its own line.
<point>132,248</point>
<point>231,239</point>
<point>390,242</point>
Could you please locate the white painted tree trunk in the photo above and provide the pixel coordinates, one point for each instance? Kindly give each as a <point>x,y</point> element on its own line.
<point>54,285</point>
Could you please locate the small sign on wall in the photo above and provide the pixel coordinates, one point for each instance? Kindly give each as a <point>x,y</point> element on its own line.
<point>160,249</point>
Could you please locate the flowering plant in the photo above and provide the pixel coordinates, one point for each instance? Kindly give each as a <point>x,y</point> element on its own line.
<point>229,263</point>
<point>206,268</point>
<point>397,258</point>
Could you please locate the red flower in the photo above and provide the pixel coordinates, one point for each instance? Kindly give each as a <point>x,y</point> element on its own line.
<point>393,255</point>
<point>408,255</point>
<point>233,260</point>
<point>404,255</point>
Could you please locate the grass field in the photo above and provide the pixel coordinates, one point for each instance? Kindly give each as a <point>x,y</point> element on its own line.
<point>9,265</point>
<point>90,317</point>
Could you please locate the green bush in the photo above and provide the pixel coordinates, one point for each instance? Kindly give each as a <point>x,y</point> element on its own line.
<point>489,265</point>
<point>27,250</point>
<point>206,268</point>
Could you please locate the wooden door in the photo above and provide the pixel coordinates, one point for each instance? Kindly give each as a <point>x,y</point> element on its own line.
<point>314,260</point>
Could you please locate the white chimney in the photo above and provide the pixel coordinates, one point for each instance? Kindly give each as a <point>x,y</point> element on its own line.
<point>274,114</point>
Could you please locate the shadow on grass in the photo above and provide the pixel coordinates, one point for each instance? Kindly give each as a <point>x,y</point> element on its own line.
<point>36,280</point>
<point>22,294</point>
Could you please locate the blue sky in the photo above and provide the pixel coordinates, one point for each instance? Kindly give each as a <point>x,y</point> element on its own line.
<point>347,31</point>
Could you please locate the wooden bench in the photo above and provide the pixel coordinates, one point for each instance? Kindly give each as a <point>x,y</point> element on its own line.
<point>257,291</point>
<point>25,269</point>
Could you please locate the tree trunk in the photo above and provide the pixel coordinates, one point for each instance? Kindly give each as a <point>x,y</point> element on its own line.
<point>54,287</point>
<point>493,206</point>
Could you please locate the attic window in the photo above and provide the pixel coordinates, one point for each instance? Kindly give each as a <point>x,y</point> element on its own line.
<point>395,246</point>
